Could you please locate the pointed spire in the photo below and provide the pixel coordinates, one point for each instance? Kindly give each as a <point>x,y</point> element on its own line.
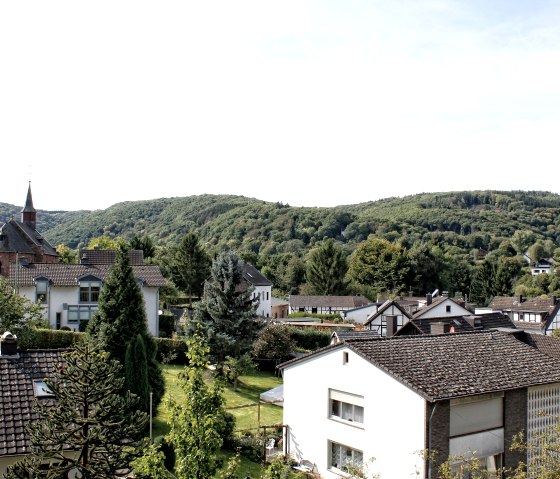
<point>29,213</point>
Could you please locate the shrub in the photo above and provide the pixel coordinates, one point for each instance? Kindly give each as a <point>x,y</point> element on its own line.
<point>310,339</point>
<point>52,339</point>
<point>171,351</point>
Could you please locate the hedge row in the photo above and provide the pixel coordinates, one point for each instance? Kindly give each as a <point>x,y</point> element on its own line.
<point>310,339</point>
<point>51,339</point>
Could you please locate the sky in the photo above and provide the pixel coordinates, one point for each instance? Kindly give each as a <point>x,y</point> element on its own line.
<point>309,103</point>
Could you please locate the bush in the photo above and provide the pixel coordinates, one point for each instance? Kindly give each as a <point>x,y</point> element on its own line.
<point>166,325</point>
<point>310,339</point>
<point>171,351</point>
<point>51,339</point>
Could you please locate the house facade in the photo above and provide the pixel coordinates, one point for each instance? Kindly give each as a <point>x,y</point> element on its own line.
<point>541,315</point>
<point>262,289</point>
<point>326,304</point>
<point>440,307</point>
<point>388,319</point>
<point>69,293</point>
<point>344,404</point>
<point>361,314</point>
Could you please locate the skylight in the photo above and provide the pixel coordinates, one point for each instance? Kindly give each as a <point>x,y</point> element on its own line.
<point>41,390</point>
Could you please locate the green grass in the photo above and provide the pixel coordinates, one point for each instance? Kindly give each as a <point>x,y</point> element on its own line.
<point>248,392</point>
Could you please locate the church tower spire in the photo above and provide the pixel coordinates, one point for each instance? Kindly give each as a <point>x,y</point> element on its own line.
<point>28,213</point>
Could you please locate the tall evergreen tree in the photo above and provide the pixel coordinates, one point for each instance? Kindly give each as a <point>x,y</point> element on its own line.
<point>91,428</point>
<point>482,284</point>
<point>121,317</point>
<point>190,266</point>
<point>136,371</point>
<point>227,313</point>
<point>326,270</point>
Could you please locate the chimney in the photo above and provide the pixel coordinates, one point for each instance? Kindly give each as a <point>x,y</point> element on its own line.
<point>554,300</point>
<point>520,298</point>
<point>8,344</point>
<point>437,328</point>
<point>428,299</point>
<point>391,326</point>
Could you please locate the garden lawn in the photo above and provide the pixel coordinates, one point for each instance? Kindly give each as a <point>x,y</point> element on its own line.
<point>248,392</point>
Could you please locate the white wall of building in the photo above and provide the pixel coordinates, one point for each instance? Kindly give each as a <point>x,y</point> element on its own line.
<point>264,293</point>
<point>393,429</point>
<point>440,310</point>
<point>60,295</point>
<point>360,315</point>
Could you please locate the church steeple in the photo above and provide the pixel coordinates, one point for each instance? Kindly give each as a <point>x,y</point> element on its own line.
<point>28,213</point>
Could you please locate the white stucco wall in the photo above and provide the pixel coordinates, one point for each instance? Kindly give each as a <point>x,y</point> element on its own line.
<point>360,315</point>
<point>58,296</point>
<point>265,302</point>
<point>393,430</point>
<point>439,311</point>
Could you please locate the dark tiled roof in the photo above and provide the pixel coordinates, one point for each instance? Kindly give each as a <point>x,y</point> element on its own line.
<point>300,301</point>
<point>16,395</point>
<point>68,274</point>
<point>536,305</point>
<point>20,237</point>
<point>460,323</point>
<point>454,365</point>
<point>108,256</point>
<point>549,345</point>
<point>253,276</point>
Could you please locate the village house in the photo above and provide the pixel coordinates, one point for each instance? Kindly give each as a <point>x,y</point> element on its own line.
<point>325,304</point>
<point>452,394</point>
<point>540,315</point>
<point>262,289</point>
<point>69,293</point>
<point>388,318</point>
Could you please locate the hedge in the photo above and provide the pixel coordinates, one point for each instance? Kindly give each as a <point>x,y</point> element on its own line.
<point>310,339</point>
<point>51,339</point>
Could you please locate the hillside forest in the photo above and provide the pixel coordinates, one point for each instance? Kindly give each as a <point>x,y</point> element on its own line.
<point>477,244</point>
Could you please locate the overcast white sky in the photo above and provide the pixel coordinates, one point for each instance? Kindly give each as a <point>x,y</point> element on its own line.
<point>312,103</point>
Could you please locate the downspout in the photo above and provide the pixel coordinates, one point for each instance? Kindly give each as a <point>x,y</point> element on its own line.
<point>430,441</point>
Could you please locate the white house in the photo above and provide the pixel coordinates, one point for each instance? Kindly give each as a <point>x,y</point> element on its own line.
<point>440,307</point>
<point>394,398</point>
<point>388,318</point>
<point>262,289</point>
<point>69,293</point>
<point>361,314</point>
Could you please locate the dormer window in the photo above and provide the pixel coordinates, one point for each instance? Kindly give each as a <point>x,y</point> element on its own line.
<point>41,390</point>
<point>41,290</point>
<point>89,289</point>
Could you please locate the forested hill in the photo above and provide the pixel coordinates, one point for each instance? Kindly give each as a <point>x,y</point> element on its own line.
<point>476,219</point>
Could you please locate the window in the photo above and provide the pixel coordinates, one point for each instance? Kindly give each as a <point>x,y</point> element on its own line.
<point>80,314</point>
<point>41,290</point>
<point>313,310</point>
<point>491,464</point>
<point>345,458</point>
<point>41,390</point>
<point>89,291</point>
<point>448,308</point>
<point>344,357</point>
<point>346,407</point>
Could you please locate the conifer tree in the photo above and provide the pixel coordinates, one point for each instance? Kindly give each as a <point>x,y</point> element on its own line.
<point>121,317</point>
<point>136,371</point>
<point>90,428</point>
<point>227,316</point>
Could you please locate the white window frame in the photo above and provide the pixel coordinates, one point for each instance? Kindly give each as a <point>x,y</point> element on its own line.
<point>346,408</point>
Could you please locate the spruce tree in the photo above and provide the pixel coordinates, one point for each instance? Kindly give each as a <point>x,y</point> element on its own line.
<point>90,428</point>
<point>136,371</point>
<point>121,317</point>
<point>227,315</point>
